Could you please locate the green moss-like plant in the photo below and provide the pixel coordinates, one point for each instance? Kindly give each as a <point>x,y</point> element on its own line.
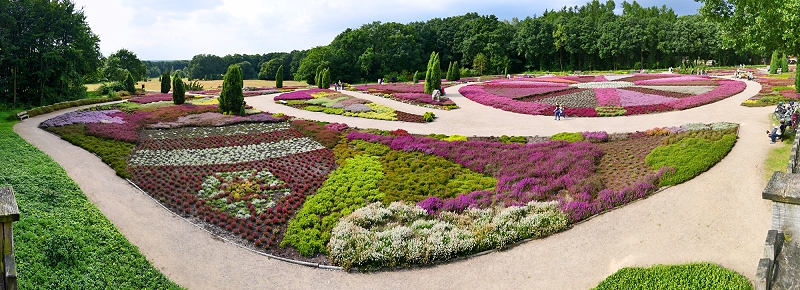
<point>279,77</point>
<point>178,91</point>
<point>689,157</point>
<point>231,98</point>
<point>689,276</point>
<point>568,136</point>
<point>165,82</point>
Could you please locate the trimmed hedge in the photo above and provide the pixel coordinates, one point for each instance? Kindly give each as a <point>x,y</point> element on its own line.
<point>689,276</point>
<point>70,104</point>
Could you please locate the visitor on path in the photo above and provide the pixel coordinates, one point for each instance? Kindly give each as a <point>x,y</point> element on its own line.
<point>775,133</point>
<point>558,112</point>
<point>340,85</point>
<point>782,127</point>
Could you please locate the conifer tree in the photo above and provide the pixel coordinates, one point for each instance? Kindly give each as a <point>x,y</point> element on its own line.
<point>784,64</point>
<point>416,77</point>
<point>429,74</point>
<point>130,84</point>
<point>232,94</point>
<point>326,78</point>
<point>797,79</point>
<point>178,91</point>
<point>165,82</point>
<point>457,72</point>
<point>774,63</point>
<point>279,77</point>
<point>436,80</point>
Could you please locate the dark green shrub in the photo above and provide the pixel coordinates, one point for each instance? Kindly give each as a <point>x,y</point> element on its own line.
<point>456,71</point>
<point>193,86</point>
<point>567,136</point>
<point>784,64</point>
<point>166,82</point>
<point>279,77</point>
<point>326,78</point>
<point>231,99</point>
<point>689,157</point>
<point>416,77</point>
<point>689,276</point>
<point>513,139</point>
<point>433,77</point>
<point>178,92</point>
<point>797,79</point>
<point>130,84</point>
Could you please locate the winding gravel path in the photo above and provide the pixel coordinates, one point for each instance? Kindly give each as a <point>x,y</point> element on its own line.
<point>718,216</point>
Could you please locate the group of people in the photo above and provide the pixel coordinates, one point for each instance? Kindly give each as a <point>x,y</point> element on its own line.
<point>337,86</point>
<point>740,74</point>
<point>788,119</point>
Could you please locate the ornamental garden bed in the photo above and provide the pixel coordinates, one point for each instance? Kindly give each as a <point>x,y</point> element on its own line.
<point>370,199</point>
<point>336,103</point>
<point>773,91</point>
<point>407,93</point>
<point>593,96</point>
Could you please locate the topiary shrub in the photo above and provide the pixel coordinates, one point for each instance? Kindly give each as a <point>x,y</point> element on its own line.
<point>567,136</point>
<point>279,77</point>
<point>165,82</point>
<point>231,98</point>
<point>178,92</point>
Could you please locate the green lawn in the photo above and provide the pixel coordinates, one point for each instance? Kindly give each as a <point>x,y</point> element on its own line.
<point>62,240</point>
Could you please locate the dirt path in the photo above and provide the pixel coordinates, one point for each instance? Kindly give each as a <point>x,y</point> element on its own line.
<point>717,217</point>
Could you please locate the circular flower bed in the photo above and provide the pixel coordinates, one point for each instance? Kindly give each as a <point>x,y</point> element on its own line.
<point>589,96</point>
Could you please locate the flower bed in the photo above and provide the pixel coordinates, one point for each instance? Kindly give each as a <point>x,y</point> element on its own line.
<point>406,93</point>
<point>151,98</point>
<point>333,102</point>
<point>589,96</point>
<point>772,92</point>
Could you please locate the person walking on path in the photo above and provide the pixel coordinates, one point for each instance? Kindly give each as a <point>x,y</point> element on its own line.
<point>558,112</point>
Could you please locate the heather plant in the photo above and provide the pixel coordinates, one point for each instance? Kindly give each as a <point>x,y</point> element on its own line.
<point>279,77</point>
<point>689,157</point>
<point>689,276</point>
<point>231,98</point>
<point>165,82</point>
<point>178,91</point>
<point>310,230</point>
<point>513,139</point>
<point>568,136</point>
<point>378,236</point>
<point>600,136</point>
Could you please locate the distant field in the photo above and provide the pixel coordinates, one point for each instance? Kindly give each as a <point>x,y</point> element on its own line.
<point>154,85</point>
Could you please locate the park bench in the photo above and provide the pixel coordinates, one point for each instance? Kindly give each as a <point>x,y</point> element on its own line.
<point>22,115</point>
<point>9,213</point>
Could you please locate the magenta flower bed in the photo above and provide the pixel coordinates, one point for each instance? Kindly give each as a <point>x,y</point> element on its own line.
<point>421,98</point>
<point>505,94</point>
<point>151,98</point>
<point>299,95</point>
<point>410,93</point>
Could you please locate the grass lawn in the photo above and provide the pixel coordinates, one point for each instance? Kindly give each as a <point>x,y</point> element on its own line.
<point>62,240</point>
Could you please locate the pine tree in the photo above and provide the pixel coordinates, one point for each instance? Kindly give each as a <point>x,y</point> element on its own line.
<point>774,63</point>
<point>437,74</point>
<point>429,74</point>
<point>449,74</point>
<point>130,84</point>
<point>457,72</point>
<point>165,82</point>
<point>178,91</point>
<point>326,78</point>
<point>318,77</point>
<point>279,77</point>
<point>232,94</point>
<point>416,77</point>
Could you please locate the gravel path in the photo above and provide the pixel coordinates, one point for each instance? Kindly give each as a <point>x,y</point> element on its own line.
<point>717,217</point>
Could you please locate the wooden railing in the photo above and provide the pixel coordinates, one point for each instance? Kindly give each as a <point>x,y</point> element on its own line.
<point>9,213</point>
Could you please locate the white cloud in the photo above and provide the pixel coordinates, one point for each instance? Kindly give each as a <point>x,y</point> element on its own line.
<point>160,30</point>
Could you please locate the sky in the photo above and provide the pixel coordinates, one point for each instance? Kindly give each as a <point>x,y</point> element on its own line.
<point>180,29</point>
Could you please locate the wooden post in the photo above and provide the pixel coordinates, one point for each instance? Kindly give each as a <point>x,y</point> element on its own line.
<point>9,213</point>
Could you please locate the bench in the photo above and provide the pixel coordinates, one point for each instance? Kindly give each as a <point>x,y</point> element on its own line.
<point>9,213</point>
<point>22,115</point>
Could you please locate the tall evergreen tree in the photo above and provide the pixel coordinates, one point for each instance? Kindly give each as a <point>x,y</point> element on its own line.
<point>178,90</point>
<point>326,78</point>
<point>449,74</point>
<point>429,74</point>
<point>279,77</point>
<point>774,63</point>
<point>165,82</point>
<point>129,84</point>
<point>231,93</point>
<point>797,78</point>
<point>436,79</point>
<point>457,72</point>
<point>318,77</point>
<point>416,77</point>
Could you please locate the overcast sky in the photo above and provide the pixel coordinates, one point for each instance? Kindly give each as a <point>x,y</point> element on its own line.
<point>180,29</point>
